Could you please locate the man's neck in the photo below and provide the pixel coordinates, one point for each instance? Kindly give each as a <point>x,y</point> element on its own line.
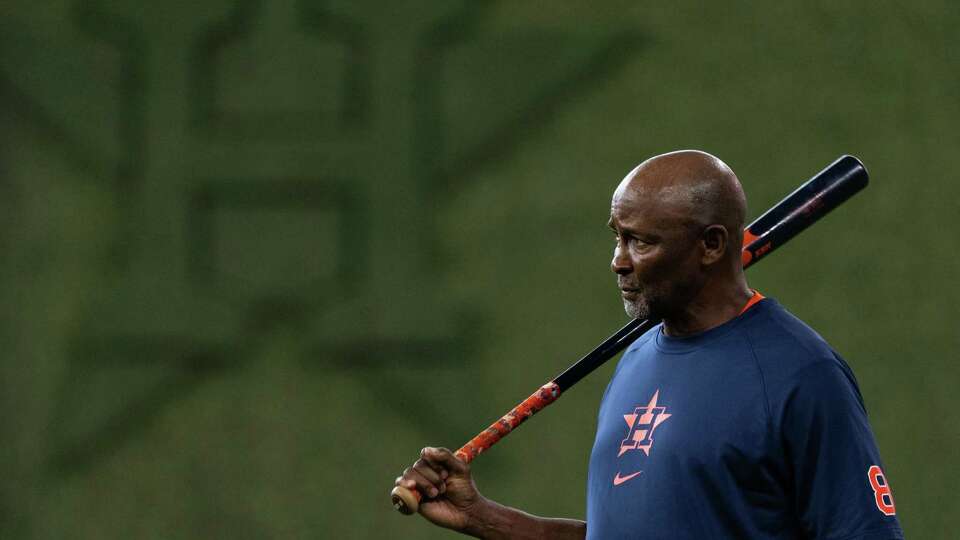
<point>713,306</point>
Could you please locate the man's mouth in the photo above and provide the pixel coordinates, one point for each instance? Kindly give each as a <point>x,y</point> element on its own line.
<point>629,291</point>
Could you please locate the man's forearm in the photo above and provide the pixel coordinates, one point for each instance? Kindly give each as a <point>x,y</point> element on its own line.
<point>495,521</point>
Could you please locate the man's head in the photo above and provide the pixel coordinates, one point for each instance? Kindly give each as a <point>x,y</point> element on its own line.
<point>678,220</point>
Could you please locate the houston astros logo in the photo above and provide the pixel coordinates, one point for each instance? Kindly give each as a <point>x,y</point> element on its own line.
<point>641,424</point>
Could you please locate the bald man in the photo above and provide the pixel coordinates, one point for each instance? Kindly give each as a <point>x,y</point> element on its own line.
<point>730,419</point>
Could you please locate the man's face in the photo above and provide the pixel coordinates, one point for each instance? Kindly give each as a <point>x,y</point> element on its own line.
<point>656,258</point>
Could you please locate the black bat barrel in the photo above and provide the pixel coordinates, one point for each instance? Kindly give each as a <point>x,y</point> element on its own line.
<point>825,191</point>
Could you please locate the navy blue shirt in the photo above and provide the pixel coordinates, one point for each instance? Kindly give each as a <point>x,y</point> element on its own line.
<point>754,429</point>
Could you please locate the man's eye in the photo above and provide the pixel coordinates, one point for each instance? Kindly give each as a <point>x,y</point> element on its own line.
<point>639,243</point>
<point>629,240</point>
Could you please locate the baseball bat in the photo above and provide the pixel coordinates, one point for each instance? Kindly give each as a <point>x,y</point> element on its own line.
<point>823,192</point>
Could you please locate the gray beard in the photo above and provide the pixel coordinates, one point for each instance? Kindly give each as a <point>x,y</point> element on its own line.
<point>636,310</point>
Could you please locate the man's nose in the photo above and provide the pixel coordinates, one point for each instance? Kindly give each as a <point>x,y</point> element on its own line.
<point>620,264</point>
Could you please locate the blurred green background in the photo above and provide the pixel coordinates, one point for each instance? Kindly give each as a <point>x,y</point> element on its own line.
<point>257,254</point>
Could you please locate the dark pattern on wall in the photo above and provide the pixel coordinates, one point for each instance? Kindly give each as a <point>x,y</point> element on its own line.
<point>273,162</point>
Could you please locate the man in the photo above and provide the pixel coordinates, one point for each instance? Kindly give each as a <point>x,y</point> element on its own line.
<point>731,419</point>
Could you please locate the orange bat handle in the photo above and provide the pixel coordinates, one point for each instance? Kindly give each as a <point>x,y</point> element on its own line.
<point>407,501</point>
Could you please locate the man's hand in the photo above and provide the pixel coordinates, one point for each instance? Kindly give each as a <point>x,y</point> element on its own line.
<point>450,498</point>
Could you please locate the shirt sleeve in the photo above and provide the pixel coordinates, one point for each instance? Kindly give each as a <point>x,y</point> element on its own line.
<point>839,489</point>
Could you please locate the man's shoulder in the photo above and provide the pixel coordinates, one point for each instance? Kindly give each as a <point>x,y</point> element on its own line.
<point>788,351</point>
<point>781,341</point>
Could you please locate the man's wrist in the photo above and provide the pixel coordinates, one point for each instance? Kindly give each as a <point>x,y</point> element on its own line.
<point>488,519</point>
<point>493,521</point>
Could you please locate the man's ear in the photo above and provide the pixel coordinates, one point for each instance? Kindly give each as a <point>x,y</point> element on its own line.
<point>714,240</point>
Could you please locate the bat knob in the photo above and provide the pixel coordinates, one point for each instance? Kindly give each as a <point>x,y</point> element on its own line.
<point>405,501</point>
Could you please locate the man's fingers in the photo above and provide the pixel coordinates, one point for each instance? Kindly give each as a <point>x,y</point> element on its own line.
<point>427,456</point>
<point>443,459</point>
<point>425,486</point>
<point>408,483</point>
<point>429,472</point>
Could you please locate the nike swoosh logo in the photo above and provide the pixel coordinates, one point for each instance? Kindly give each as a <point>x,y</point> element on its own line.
<point>617,480</point>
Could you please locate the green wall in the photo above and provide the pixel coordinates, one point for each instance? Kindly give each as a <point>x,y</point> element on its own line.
<point>257,254</point>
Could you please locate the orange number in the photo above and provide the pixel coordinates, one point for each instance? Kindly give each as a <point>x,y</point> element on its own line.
<point>881,491</point>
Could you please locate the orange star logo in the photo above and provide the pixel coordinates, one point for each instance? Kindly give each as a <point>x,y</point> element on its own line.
<point>642,422</point>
